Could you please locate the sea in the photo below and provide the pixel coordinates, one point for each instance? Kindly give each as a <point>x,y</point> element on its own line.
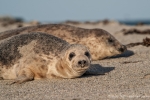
<point>136,22</point>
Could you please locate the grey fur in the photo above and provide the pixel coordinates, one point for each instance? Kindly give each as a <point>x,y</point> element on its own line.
<point>74,31</point>
<point>36,55</point>
<point>105,43</point>
<point>45,44</point>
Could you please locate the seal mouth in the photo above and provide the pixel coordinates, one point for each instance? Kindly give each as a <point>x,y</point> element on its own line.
<point>81,69</point>
<point>111,51</point>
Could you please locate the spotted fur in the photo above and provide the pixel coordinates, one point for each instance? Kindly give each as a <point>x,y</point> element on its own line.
<point>38,55</point>
<point>100,43</point>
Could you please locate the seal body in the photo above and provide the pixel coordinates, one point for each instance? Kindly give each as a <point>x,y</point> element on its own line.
<point>31,56</point>
<point>100,43</point>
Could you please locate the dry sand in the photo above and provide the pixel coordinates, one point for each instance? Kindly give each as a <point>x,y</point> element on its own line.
<point>126,76</point>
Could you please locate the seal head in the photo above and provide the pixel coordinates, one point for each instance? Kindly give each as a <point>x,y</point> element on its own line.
<point>76,58</point>
<point>102,44</point>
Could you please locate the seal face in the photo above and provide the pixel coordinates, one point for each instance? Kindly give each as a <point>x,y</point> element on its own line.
<point>100,43</point>
<point>79,59</point>
<point>31,56</point>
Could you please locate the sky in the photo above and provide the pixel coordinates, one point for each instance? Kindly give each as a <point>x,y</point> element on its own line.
<point>77,10</point>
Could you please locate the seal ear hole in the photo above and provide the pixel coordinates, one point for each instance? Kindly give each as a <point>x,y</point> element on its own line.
<point>87,54</point>
<point>71,55</point>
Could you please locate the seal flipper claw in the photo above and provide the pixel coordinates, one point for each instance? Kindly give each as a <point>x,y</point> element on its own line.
<point>22,80</point>
<point>24,76</point>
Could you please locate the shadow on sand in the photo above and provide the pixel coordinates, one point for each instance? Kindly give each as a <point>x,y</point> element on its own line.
<point>97,69</point>
<point>127,53</point>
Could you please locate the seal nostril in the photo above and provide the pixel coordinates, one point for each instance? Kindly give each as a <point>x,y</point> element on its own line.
<point>121,49</point>
<point>80,62</point>
<point>84,62</point>
<point>124,47</point>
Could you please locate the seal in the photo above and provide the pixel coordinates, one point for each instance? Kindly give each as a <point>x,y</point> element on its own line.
<point>38,55</point>
<point>100,43</point>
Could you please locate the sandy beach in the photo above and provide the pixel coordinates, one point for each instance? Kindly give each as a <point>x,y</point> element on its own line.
<point>126,76</point>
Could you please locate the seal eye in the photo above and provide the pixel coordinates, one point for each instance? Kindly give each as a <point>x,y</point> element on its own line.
<point>87,54</point>
<point>71,55</point>
<point>110,40</point>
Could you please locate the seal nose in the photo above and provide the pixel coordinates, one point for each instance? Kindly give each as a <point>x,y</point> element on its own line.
<point>123,48</point>
<point>82,63</point>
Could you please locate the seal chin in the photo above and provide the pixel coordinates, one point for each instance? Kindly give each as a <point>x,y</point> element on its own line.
<point>81,70</point>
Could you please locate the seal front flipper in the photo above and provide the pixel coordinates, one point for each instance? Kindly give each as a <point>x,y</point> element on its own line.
<point>24,75</point>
